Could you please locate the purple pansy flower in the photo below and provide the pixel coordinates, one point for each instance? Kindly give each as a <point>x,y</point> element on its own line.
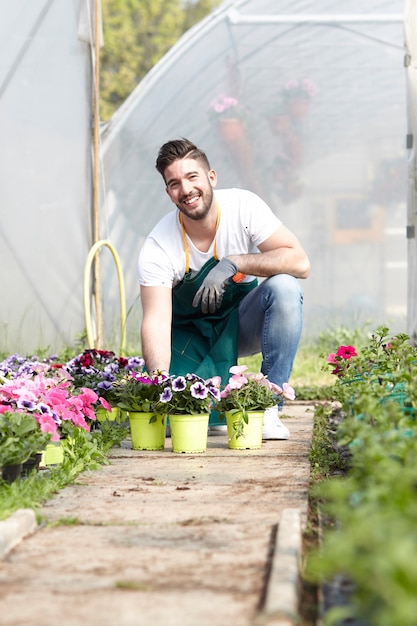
<point>179,383</point>
<point>199,390</point>
<point>166,395</point>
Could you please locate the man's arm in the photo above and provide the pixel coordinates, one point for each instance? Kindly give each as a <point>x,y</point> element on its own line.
<point>156,327</point>
<point>281,253</point>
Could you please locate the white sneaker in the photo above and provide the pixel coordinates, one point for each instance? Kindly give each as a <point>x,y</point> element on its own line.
<point>273,428</point>
<point>218,429</point>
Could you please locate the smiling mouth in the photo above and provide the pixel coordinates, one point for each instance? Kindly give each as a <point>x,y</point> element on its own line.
<point>191,199</point>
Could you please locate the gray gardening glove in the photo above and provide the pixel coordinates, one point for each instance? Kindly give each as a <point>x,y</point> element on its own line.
<point>214,285</point>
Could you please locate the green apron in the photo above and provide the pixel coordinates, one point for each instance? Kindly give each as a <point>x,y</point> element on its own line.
<point>205,344</point>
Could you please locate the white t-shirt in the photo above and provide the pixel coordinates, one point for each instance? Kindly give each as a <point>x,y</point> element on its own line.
<point>246,221</point>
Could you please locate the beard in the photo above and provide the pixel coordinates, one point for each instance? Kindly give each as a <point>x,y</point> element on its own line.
<point>206,196</point>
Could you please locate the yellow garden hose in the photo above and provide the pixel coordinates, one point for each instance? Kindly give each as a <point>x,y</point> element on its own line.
<point>87,295</point>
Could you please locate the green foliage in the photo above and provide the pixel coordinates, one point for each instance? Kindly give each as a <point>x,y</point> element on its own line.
<point>342,335</point>
<point>20,437</point>
<point>252,396</point>
<point>67,521</point>
<point>137,33</point>
<point>82,451</point>
<point>384,369</point>
<point>374,540</point>
<point>325,457</point>
<point>133,394</point>
<point>110,434</point>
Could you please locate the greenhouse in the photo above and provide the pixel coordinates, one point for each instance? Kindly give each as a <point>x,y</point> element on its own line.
<point>160,472</point>
<point>316,125</point>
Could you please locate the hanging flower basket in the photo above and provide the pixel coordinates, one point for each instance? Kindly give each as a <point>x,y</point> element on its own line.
<point>231,129</point>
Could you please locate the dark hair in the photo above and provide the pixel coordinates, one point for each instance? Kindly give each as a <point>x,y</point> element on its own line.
<point>179,149</point>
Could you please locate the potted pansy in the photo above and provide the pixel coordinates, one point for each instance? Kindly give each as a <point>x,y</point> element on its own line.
<point>188,400</point>
<point>189,394</point>
<point>243,402</point>
<point>139,391</point>
<point>139,395</point>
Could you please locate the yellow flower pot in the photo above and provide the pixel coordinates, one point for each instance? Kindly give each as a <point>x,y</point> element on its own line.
<point>53,454</point>
<point>244,436</point>
<point>148,430</point>
<point>103,415</point>
<point>189,432</point>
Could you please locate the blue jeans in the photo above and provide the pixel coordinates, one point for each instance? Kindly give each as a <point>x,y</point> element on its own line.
<point>270,321</point>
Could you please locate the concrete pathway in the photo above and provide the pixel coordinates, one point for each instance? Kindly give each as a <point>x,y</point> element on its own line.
<point>163,539</point>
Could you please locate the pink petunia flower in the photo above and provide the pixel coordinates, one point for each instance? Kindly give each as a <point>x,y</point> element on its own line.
<point>288,392</point>
<point>346,352</point>
<point>238,369</point>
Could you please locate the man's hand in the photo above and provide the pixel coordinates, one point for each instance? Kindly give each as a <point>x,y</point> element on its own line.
<point>214,285</point>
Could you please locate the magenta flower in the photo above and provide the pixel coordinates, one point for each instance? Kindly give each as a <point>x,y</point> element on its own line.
<point>346,352</point>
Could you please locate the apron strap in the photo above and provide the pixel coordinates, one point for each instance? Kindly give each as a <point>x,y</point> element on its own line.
<point>186,248</point>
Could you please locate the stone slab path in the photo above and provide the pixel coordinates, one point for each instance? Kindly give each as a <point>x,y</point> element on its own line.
<point>165,539</point>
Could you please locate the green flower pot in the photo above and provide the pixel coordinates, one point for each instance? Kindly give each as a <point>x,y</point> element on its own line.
<point>189,432</point>
<point>103,415</point>
<point>53,454</point>
<point>147,433</point>
<point>244,436</point>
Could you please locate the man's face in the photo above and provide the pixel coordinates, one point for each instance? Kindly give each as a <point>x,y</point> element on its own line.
<point>190,186</point>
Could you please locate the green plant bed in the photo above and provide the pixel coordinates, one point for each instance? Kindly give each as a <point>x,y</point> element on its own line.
<point>83,451</point>
<point>369,508</point>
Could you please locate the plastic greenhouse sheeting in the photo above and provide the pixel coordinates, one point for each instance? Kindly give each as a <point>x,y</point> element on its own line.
<point>332,164</point>
<point>320,135</point>
<point>411,65</point>
<point>45,185</point>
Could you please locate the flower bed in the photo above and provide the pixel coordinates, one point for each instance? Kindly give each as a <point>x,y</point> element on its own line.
<point>373,541</point>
